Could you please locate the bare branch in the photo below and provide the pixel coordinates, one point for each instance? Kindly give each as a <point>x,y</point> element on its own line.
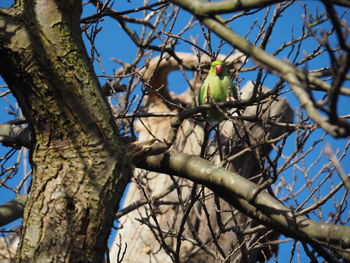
<point>12,135</point>
<point>264,208</point>
<point>12,210</point>
<point>203,8</point>
<point>339,128</point>
<point>341,2</point>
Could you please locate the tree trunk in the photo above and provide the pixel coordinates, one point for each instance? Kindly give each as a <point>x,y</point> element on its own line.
<point>79,167</point>
<point>176,220</point>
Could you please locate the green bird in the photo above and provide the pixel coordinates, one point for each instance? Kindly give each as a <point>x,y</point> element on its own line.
<point>216,87</point>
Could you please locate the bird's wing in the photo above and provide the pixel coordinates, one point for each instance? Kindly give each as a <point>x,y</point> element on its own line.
<point>202,95</point>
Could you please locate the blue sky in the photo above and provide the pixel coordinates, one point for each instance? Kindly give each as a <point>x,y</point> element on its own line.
<point>112,42</point>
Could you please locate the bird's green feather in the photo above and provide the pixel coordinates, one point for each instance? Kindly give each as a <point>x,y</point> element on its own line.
<point>216,87</point>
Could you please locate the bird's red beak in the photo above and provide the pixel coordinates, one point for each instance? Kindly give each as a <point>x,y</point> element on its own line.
<point>218,69</point>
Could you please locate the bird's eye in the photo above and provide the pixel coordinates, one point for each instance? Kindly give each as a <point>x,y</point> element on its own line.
<point>218,69</point>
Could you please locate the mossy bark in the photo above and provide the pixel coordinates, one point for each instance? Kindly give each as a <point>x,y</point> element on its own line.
<point>79,168</point>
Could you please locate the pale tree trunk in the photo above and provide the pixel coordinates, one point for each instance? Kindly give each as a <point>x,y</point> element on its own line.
<point>79,170</point>
<point>175,220</point>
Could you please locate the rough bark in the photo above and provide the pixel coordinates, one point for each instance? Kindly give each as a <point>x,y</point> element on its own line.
<point>79,170</point>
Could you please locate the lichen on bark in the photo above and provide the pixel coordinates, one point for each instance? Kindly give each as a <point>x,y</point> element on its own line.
<point>78,161</point>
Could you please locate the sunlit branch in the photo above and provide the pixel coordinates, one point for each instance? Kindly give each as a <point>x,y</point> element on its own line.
<point>204,8</point>
<point>239,192</point>
<point>295,77</point>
